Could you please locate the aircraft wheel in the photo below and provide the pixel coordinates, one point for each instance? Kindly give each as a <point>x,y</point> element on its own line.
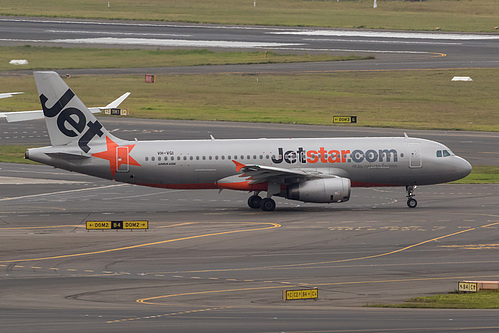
<point>254,201</point>
<point>267,205</point>
<point>412,203</point>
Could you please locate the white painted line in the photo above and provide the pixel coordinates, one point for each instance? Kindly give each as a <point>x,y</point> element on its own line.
<point>110,33</point>
<point>171,42</point>
<point>388,34</point>
<point>350,50</point>
<point>157,42</point>
<point>135,24</point>
<point>60,192</point>
<point>377,41</point>
<point>25,181</point>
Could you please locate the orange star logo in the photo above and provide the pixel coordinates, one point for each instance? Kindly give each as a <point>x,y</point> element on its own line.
<point>117,155</point>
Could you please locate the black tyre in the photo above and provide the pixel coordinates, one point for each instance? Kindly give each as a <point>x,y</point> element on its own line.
<point>254,202</point>
<point>267,205</point>
<point>412,203</point>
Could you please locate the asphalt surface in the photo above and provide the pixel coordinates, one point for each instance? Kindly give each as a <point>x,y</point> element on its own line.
<point>210,264</point>
<point>392,49</point>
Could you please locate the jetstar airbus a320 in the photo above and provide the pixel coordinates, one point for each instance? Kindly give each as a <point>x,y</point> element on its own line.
<point>321,170</point>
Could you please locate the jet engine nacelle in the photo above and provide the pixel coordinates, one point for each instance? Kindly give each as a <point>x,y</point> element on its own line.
<point>320,190</point>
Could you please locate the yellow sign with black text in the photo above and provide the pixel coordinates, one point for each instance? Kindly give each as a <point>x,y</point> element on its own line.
<point>117,225</point>
<point>471,287</point>
<point>300,294</point>
<point>345,119</point>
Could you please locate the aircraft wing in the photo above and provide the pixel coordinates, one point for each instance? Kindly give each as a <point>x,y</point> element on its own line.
<point>38,114</point>
<point>116,102</point>
<point>6,95</point>
<point>259,174</point>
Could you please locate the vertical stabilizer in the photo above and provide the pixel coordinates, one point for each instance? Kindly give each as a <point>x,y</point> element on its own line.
<point>69,121</point>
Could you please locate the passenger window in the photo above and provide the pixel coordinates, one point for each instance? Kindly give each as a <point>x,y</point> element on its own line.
<point>159,158</point>
<point>147,159</point>
<point>439,153</point>
<point>192,157</point>
<point>152,158</point>
<point>228,157</point>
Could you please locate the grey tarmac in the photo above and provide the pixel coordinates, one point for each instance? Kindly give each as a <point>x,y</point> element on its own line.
<point>210,264</point>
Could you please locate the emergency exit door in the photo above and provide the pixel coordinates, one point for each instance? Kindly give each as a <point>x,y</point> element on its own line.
<point>415,156</point>
<point>122,159</point>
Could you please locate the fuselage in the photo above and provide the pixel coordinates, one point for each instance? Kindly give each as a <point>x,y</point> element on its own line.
<point>320,170</point>
<point>199,164</point>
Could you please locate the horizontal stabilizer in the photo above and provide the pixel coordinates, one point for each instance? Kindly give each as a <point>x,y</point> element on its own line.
<point>68,156</point>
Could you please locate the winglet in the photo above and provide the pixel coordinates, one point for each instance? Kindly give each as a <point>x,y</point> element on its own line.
<point>239,165</point>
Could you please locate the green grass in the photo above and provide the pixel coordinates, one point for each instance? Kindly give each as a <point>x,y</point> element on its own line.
<point>401,99</point>
<point>480,300</point>
<point>449,15</point>
<point>67,58</point>
<point>481,174</point>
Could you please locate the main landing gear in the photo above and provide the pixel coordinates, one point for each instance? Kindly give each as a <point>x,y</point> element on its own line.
<point>411,202</point>
<point>265,204</point>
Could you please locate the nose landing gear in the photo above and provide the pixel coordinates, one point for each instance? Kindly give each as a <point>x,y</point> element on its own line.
<point>411,202</point>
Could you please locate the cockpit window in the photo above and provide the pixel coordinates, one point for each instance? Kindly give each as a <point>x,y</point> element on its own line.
<point>444,153</point>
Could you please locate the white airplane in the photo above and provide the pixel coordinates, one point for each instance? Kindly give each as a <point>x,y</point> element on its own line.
<point>38,114</point>
<point>321,170</point>
<point>7,95</point>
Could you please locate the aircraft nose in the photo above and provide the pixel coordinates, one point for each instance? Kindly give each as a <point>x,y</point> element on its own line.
<point>462,167</point>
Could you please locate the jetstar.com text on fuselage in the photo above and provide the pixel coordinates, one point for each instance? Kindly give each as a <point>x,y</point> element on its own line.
<point>324,155</point>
